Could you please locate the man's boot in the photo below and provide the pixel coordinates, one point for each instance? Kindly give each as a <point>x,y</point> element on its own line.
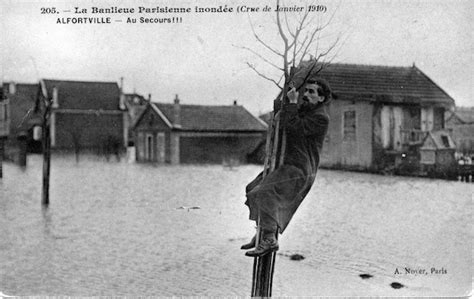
<point>250,244</point>
<point>268,244</point>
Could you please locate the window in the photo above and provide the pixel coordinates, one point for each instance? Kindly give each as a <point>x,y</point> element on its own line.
<point>349,126</point>
<point>445,140</point>
<point>149,147</point>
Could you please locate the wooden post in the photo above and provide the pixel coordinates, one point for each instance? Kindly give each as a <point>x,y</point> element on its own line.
<point>46,153</point>
<point>263,267</point>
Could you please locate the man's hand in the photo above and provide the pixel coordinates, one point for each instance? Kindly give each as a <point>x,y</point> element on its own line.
<point>292,96</point>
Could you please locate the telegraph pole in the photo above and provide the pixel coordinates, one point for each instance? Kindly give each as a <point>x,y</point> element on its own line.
<point>46,146</point>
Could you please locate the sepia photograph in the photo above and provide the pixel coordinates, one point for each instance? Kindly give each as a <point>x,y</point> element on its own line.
<point>236,148</point>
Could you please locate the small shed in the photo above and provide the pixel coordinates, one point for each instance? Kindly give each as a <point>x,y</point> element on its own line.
<point>437,153</point>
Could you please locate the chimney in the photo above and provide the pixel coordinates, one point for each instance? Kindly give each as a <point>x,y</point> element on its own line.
<point>12,88</point>
<point>55,97</point>
<point>176,112</point>
<point>121,84</point>
<point>149,97</point>
<point>235,102</point>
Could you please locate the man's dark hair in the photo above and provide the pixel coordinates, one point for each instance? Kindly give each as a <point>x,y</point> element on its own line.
<point>325,88</point>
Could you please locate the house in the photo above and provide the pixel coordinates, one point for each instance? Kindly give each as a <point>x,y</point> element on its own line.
<point>21,98</point>
<point>84,115</point>
<point>176,133</point>
<point>461,123</point>
<point>381,116</point>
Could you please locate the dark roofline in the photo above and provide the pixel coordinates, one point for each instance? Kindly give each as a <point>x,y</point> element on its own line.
<point>16,83</point>
<point>197,105</point>
<point>80,81</point>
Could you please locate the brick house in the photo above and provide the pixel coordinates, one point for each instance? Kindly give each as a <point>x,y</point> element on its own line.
<point>176,133</point>
<point>85,115</point>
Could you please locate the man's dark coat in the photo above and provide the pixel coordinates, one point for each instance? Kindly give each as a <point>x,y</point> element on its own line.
<point>283,190</point>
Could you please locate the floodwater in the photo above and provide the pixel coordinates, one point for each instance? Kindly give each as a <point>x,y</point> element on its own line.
<point>118,229</point>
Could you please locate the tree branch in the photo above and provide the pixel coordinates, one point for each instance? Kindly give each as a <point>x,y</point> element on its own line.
<point>263,76</point>
<point>260,56</point>
<point>262,42</point>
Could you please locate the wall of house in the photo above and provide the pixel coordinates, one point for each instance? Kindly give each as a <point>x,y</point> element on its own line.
<point>445,158</point>
<point>88,131</point>
<point>432,118</point>
<point>392,119</point>
<point>349,150</point>
<point>151,124</point>
<point>216,148</point>
<point>174,148</point>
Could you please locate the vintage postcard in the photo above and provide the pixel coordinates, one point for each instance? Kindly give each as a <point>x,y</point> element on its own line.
<point>143,142</point>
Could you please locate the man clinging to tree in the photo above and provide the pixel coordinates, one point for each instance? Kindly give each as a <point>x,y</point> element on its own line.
<point>275,198</point>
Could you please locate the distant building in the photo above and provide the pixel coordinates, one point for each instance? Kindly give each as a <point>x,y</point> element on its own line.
<point>461,123</point>
<point>21,98</point>
<point>135,105</point>
<point>176,133</point>
<point>85,115</point>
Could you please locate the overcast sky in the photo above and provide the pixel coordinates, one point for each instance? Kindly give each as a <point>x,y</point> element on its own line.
<point>201,59</point>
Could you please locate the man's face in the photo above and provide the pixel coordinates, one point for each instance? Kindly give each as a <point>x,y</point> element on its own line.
<point>313,94</point>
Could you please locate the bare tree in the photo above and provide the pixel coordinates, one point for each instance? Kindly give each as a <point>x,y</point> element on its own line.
<point>303,53</point>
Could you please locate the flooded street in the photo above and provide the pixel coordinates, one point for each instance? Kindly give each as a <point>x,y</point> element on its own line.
<point>118,229</point>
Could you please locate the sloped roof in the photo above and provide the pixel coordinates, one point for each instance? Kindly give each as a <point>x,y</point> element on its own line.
<point>21,105</point>
<point>384,83</point>
<point>85,95</point>
<point>464,114</point>
<point>434,140</point>
<point>213,118</point>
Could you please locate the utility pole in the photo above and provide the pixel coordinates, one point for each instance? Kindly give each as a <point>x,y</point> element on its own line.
<point>46,145</point>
